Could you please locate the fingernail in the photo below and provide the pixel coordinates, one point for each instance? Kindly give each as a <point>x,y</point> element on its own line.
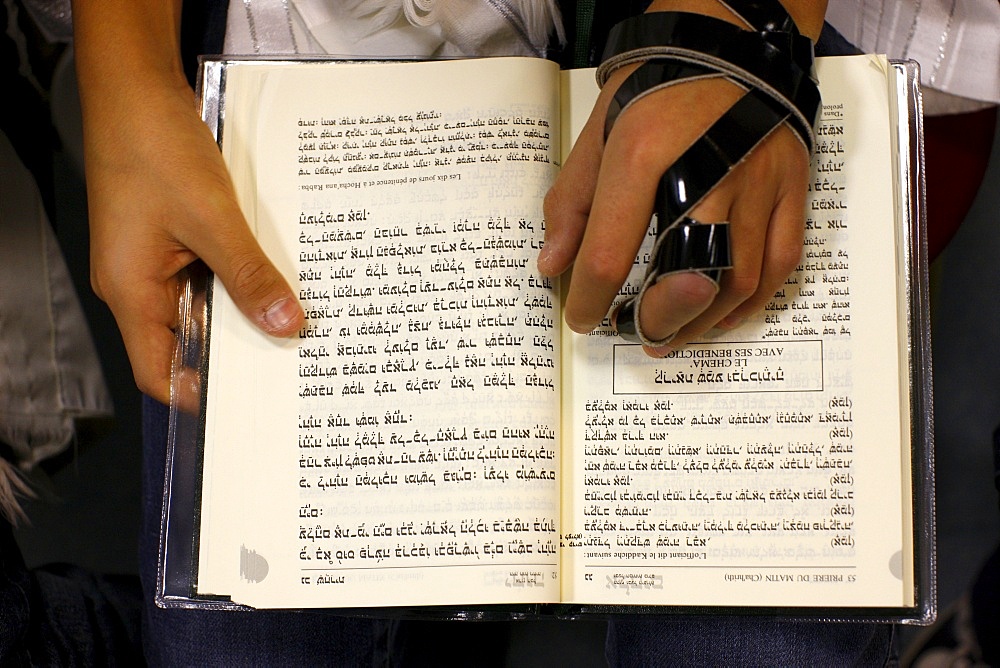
<point>662,351</point>
<point>280,313</point>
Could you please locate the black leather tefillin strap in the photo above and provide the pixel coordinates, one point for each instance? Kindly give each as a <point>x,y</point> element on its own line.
<point>769,59</point>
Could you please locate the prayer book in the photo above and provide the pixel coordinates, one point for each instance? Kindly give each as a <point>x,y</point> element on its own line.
<point>434,438</point>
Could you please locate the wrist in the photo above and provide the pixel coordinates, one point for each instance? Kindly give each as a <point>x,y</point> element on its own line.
<point>127,49</point>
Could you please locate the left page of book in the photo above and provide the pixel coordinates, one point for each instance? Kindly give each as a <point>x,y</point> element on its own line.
<point>402,449</point>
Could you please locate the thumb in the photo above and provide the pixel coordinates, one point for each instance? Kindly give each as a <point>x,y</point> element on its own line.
<point>261,293</point>
<point>254,283</point>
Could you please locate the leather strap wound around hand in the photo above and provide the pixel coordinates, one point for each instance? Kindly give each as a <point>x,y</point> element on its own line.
<point>770,60</point>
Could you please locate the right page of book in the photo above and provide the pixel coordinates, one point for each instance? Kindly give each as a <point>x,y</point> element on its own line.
<point>767,466</point>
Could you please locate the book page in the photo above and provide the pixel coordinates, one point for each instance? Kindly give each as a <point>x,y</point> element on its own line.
<point>766,466</point>
<point>402,449</point>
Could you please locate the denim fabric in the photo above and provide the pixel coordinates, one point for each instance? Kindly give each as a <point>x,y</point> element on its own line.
<point>985,601</point>
<point>14,603</point>
<point>747,642</point>
<point>832,43</point>
<point>62,615</point>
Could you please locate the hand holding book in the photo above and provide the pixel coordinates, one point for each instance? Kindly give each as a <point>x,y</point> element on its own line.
<point>159,194</point>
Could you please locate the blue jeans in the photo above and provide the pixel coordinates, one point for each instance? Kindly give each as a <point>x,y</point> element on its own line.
<point>62,615</point>
<point>746,641</point>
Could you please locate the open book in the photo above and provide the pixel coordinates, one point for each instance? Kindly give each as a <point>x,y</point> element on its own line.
<point>435,437</point>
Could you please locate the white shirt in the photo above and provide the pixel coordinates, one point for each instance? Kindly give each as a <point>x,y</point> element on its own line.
<point>417,28</point>
<point>956,42</point>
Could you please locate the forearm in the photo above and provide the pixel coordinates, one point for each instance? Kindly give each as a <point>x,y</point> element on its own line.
<point>122,39</point>
<point>127,57</point>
